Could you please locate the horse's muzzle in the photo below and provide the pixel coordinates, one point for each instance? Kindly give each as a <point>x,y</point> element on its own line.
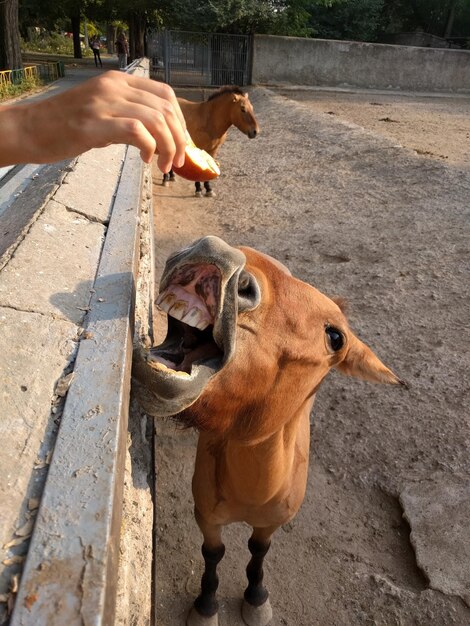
<point>252,133</point>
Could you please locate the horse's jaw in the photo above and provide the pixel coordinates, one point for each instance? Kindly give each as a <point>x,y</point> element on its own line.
<point>199,293</point>
<point>163,393</point>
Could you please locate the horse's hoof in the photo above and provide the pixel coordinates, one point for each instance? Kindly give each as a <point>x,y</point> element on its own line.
<point>257,615</point>
<point>165,183</point>
<point>210,194</point>
<point>198,194</point>
<point>172,178</point>
<point>196,619</point>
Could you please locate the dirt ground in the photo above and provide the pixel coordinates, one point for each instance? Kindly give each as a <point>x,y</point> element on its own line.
<point>345,201</point>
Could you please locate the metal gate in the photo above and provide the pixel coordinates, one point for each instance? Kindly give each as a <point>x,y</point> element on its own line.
<point>182,58</point>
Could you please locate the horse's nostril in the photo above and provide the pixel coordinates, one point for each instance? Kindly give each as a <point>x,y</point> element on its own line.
<point>253,134</point>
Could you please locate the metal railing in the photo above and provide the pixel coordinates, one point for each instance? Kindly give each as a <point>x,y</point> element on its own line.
<point>199,59</point>
<point>47,72</point>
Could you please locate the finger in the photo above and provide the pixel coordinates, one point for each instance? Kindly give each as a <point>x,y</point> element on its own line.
<point>162,90</point>
<point>154,103</point>
<point>124,130</point>
<point>156,125</point>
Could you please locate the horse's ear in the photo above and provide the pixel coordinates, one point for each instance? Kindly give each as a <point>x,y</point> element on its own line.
<point>245,95</point>
<point>362,363</point>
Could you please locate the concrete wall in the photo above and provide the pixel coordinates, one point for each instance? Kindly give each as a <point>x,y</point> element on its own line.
<point>321,62</point>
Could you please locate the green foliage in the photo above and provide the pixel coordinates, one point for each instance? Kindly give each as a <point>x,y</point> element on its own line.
<point>13,90</point>
<point>286,17</point>
<point>51,43</point>
<point>429,16</point>
<point>365,20</point>
<point>347,19</point>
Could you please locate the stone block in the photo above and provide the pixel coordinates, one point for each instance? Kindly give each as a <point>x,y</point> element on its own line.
<point>90,188</point>
<point>438,511</point>
<point>53,269</point>
<point>34,351</point>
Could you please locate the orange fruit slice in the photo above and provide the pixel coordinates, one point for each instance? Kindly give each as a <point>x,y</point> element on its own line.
<point>198,164</point>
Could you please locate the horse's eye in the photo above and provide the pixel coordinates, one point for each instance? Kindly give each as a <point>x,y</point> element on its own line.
<point>335,338</point>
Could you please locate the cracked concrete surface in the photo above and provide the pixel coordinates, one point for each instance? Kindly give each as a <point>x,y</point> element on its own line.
<point>45,289</point>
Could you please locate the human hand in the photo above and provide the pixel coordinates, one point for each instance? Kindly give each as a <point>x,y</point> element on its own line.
<point>114,107</point>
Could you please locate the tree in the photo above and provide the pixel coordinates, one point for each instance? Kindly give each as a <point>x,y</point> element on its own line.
<point>137,15</point>
<point>437,17</point>
<point>286,17</point>
<point>10,52</point>
<point>75,18</point>
<point>347,19</point>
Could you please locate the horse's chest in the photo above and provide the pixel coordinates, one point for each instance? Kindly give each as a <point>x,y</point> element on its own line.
<point>208,142</point>
<point>276,512</point>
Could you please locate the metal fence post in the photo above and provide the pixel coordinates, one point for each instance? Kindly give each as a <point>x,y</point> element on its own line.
<point>166,54</point>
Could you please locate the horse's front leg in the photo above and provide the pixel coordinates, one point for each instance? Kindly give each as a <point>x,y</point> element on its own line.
<point>209,192</point>
<point>256,608</point>
<point>168,178</point>
<point>198,192</point>
<point>205,608</point>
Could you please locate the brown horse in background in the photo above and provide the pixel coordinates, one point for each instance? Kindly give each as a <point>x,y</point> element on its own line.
<point>208,123</point>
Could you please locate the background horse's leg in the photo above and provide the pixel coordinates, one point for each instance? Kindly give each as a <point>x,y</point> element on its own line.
<point>208,188</point>
<point>166,180</point>
<point>172,176</point>
<point>256,608</point>
<point>204,611</point>
<point>198,190</point>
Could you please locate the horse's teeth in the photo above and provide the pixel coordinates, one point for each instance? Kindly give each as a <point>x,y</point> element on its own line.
<point>178,310</point>
<point>193,317</point>
<point>165,301</point>
<point>168,370</point>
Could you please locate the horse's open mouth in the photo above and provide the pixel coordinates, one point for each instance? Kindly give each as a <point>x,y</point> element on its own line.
<point>199,291</point>
<point>191,301</point>
<point>184,348</point>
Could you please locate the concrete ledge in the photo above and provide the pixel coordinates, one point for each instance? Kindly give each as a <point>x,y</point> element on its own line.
<point>61,277</point>
<point>73,552</point>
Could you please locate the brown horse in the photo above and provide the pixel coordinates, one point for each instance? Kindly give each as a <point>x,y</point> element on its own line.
<point>247,348</point>
<point>209,121</point>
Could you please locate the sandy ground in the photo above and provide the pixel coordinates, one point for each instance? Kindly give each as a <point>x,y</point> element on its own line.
<point>438,127</point>
<point>357,212</point>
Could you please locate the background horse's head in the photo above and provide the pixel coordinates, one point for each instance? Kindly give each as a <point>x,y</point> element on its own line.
<point>240,109</point>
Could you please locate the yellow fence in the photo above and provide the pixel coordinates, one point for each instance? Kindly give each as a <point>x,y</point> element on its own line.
<point>43,71</point>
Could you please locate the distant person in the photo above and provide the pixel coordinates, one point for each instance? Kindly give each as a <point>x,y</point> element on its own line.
<point>95,46</point>
<point>122,48</point>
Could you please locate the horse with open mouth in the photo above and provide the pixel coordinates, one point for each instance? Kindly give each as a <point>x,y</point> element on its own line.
<point>246,350</point>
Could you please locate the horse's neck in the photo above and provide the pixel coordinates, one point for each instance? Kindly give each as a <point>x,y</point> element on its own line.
<point>218,117</point>
<point>256,472</point>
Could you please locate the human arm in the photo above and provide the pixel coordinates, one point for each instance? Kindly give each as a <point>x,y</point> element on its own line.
<point>114,107</point>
